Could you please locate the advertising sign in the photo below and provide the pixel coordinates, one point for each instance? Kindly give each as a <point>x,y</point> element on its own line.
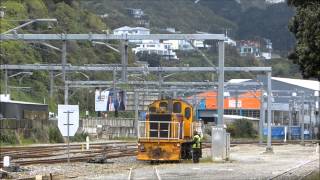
<point>110,100</point>
<point>101,100</point>
<point>234,103</point>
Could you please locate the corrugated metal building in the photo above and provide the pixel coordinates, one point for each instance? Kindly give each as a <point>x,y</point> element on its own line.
<point>23,110</point>
<point>287,98</point>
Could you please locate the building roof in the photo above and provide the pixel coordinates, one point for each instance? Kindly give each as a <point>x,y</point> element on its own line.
<point>227,116</point>
<point>234,81</point>
<point>23,102</point>
<point>308,84</point>
<point>127,28</point>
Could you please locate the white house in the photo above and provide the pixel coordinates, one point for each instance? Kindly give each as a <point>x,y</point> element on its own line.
<point>274,1</point>
<point>126,30</point>
<point>174,44</point>
<point>185,45</point>
<point>163,49</point>
<point>230,41</point>
<point>131,31</point>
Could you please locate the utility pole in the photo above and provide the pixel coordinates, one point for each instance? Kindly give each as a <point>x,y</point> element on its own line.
<point>317,109</point>
<point>174,94</point>
<point>160,85</point>
<point>290,121</point>
<point>269,147</point>
<point>64,62</point>
<point>6,81</point>
<point>124,60</point>
<point>221,84</point>
<point>237,97</point>
<point>114,76</point>
<point>51,84</point>
<point>136,111</point>
<point>262,117</point>
<point>310,120</point>
<point>301,116</point>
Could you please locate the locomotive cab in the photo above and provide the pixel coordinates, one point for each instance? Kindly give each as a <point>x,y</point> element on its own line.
<point>166,133</point>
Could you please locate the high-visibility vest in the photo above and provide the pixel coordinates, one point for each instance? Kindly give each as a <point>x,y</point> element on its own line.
<point>196,140</point>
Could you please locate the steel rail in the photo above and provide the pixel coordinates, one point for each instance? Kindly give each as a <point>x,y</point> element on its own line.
<point>278,176</point>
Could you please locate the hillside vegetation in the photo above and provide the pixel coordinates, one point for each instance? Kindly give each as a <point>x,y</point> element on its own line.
<point>79,16</point>
<point>183,15</point>
<point>248,20</point>
<point>71,18</point>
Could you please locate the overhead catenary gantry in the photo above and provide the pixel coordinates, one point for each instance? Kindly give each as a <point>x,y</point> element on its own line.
<point>125,38</point>
<point>104,37</point>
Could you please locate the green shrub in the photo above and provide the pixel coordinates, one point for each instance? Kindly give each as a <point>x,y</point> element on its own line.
<point>8,138</point>
<point>55,135</point>
<point>242,129</point>
<point>79,137</point>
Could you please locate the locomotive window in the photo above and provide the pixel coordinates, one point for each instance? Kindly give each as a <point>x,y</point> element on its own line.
<point>177,107</point>
<point>163,106</point>
<point>187,112</point>
<point>152,109</point>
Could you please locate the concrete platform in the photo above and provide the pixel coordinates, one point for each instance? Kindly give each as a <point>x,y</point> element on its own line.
<point>247,162</point>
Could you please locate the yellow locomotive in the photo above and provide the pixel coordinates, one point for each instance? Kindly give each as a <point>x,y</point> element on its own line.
<point>166,134</point>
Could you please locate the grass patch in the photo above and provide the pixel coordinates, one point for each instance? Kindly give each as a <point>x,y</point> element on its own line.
<point>26,141</point>
<point>55,135</point>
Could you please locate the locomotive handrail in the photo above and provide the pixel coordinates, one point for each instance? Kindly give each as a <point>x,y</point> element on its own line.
<point>173,130</point>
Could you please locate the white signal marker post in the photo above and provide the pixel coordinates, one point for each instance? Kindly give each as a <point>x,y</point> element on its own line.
<point>68,122</point>
<point>68,134</point>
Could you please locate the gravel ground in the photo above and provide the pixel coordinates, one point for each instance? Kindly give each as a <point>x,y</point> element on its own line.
<point>247,162</point>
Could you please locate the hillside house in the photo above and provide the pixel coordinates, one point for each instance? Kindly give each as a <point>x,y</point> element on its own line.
<point>126,30</point>
<point>249,48</point>
<point>131,31</point>
<point>135,13</point>
<point>162,49</point>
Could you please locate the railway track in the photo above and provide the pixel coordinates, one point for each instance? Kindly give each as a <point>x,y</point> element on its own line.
<point>300,171</point>
<point>57,153</point>
<point>38,154</point>
<point>154,174</point>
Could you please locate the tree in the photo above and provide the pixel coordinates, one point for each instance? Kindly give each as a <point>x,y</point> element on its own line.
<point>153,59</point>
<point>305,25</point>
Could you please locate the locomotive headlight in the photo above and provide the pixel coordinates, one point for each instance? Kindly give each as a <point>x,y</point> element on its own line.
<point>178,144</point>
<point>141,147</point>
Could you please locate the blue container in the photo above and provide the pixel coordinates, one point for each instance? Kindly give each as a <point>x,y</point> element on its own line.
<point>277,132</point>
<point>202,104</point>
<point>295,132</point>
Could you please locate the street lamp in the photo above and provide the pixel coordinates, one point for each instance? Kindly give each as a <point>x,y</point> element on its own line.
<point>27,23</point>
<point>106,44</point>
<point>17,74</point>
